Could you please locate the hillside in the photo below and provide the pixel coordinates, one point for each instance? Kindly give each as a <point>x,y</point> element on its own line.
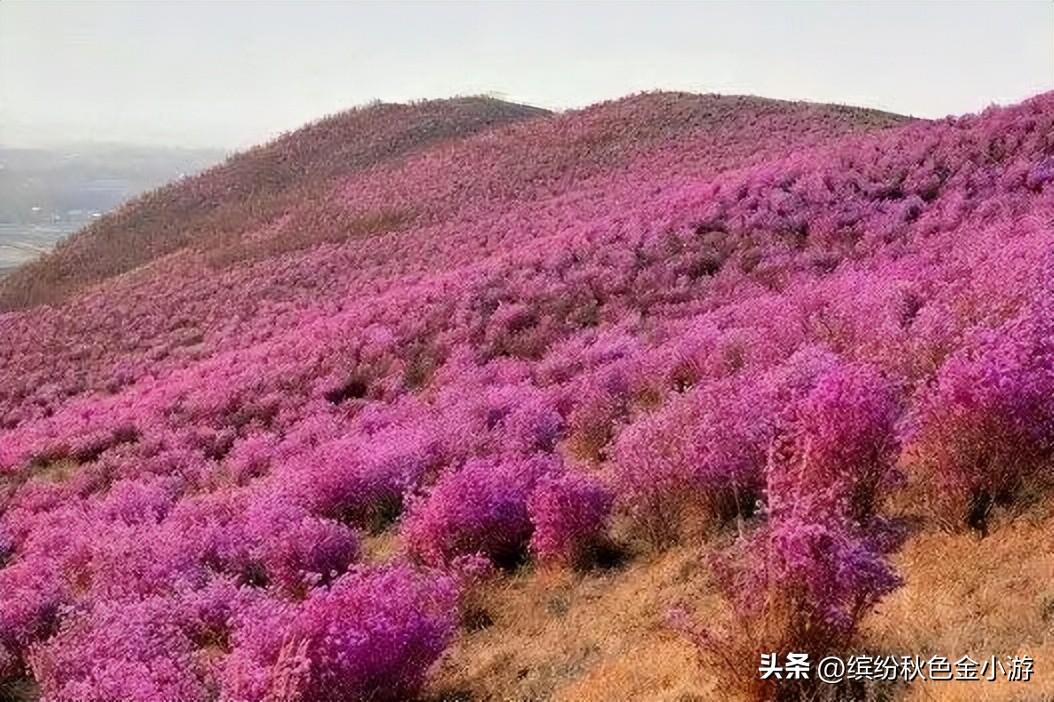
<point>466,400</point>
<point>249,188</point>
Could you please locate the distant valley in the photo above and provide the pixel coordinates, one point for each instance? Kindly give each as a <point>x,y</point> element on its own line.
<point>49,193</point>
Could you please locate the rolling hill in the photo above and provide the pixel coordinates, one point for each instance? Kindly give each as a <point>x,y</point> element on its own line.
<point>469,400</point>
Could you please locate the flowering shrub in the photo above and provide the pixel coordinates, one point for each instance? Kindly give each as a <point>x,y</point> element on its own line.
<point>295,551</point>
<point>122,653</point>
<point>657,472</point>
<point>372,635</point>
<point>806,577</point>
<point>594,422</point>
<point>569,515</point>
<point>842,446</point>
<point>704,451</point>
<point>480,508</point>
<point>251,458</point>
<point>802,583</point>
<point>361,480</point>
<point>532,425</point>
<point>987,425</point>
<point>30,612</point>
<point>134,502</point>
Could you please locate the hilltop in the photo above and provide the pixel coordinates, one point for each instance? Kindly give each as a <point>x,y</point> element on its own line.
<point>296,172</point>
<point>570,405</point>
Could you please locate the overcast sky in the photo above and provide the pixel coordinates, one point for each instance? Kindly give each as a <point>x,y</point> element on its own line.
<point>233,74</point>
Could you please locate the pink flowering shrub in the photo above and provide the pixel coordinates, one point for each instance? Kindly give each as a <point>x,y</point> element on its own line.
<point>987,425</point>
<point>372,635</point>
<point>657,472</point>
<point>594,422</point>
<point>361,480</point>
<point>29,611</point>
<point>841,448</point>
<point>802,583</point>
<point>804,579</point>
<point>314,551</point>
<point>134,502</point>
<point>703,453</point>
<point>479,508</point>
<point>251,458</point>
<point>569,514</point>
<point>294,551</point>
<point>122,652</point>
<point>7,545</point>
<point>533,424</point>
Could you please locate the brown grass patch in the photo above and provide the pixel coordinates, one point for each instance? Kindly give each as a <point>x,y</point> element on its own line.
<point>964,595</point>
<point>557,635</point>
<point>601,636</point>
<point>382,547</point>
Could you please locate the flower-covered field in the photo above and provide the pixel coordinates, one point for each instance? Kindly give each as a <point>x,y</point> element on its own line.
<point>497,339</point>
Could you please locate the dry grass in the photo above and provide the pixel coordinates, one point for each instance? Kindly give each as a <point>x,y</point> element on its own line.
<point>979,597</point>
<point>571,637</point>
<point>600,637</point>
<point>380,548</point>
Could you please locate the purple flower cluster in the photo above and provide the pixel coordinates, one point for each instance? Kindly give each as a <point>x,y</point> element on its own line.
<point>822,550</point>
<point>705,449</point>
<point>371,636</point>
<point>987,425</point>
<point>804,577</point>
<point>569,514</point>
<point>481,508</point>
<point>839,449</point>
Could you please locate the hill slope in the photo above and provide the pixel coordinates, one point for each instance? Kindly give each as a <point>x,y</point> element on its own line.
<point>400,219</point>
<point>237,194</point>
<point>378,372</point>
<point>296,172</point>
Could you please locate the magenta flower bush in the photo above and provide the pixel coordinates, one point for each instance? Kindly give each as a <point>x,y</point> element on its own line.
<point>804,578</point>
<point>569,514</point>
<point>802,583</point>
<point>294,551</point>
<point>126,652</point>
<point>135,502</point>
<point>703,451</point>
<point>594,422</point>
<point>841,447</point>
<point>251,458</point>
<point>372,635</point>
<point>361,480</point>
<point>30,612</point>
<point>479,508</point>
<point>836,577</point>
<point>987,425</point>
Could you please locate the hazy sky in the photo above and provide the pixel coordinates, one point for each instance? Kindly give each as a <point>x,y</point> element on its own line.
<point>232,74</point>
